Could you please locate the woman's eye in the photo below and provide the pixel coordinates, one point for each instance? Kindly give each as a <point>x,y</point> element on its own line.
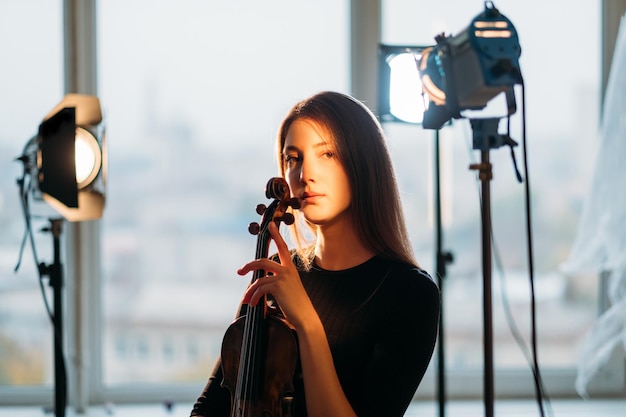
<point>291,159</point>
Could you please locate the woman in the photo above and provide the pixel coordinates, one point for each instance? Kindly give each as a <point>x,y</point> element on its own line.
<point>365,314</point>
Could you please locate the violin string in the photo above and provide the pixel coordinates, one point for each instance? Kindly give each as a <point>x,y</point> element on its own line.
<point>243,360</point>
<point>256,317</point>
<point>250,347</point>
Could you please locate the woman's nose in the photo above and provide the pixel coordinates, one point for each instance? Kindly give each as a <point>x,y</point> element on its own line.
<point>305,170</point>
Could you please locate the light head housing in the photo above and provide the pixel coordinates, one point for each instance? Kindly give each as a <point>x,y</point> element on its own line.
<point>67,160</point>
<point>466,71</point>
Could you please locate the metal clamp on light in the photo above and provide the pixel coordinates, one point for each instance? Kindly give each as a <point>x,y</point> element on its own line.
<point>67,161</point>
<point>466,71</point>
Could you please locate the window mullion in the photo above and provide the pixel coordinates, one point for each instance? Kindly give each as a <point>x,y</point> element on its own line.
<point>83,260</point>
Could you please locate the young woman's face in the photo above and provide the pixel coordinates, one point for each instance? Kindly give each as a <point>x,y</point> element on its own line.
<point>314,173</point>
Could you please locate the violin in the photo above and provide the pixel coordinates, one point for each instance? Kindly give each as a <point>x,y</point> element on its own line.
<point>260,357</point>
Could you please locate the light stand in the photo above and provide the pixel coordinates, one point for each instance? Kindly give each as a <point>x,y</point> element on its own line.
<point>442,259</point>
<point>485,138</point>
<point>55,273</point>
<point>464,72</point>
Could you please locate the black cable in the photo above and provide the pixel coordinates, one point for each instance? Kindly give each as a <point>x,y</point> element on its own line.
<point>531,359</point>
<point>541,394</point>
<point>20,184</point>
<point>24,187</point>
<point>539,388</point>
<point>513,325</point>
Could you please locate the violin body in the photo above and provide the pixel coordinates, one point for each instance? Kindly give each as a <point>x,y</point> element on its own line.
<point>272,382</point>
<point>260,356</point>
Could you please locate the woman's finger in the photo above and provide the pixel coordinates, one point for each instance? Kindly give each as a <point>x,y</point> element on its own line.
<point>284,253</point>
<point>262,263</point>
<point>256,290</point>
<point>282,247</point>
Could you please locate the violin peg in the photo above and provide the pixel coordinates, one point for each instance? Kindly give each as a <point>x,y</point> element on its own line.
<point>260,209</point>
<point>254,228</point>
<point>294,203</point>
<point>288,219</point>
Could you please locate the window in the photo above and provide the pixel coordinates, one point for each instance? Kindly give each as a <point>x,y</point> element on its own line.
<point>193,94</point>
<point>30,86</point>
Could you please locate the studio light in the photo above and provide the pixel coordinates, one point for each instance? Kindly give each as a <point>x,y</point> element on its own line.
<point>67,159</point>
<point>64,165</point>
<point>464,72</point>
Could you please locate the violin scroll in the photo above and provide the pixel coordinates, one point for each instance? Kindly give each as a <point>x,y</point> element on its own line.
<point>278,189</point>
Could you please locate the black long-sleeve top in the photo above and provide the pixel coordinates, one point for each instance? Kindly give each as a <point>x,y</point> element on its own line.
<point>381,321</point>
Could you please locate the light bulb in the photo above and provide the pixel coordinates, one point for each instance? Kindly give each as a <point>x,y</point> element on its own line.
<point>88,158</point>
<point>405,88</point>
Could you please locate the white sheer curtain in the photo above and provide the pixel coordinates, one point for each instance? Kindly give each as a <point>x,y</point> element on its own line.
<point>600,245</point>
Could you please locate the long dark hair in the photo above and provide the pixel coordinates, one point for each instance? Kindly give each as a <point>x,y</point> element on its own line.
<point>360,143</point>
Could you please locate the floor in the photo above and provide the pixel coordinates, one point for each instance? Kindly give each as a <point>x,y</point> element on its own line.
<point>509,408</point>
<point>558,408</point>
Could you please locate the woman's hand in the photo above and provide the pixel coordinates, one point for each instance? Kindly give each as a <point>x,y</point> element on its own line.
<point>283,284</point>
<point>323,392</point>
